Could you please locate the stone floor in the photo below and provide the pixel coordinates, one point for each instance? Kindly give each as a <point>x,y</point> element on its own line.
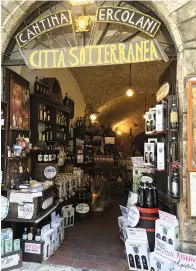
<point>91,245</point>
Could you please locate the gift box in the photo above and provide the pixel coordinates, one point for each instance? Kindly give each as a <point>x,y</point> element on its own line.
<point>158,262</point>
<point>68,213</point>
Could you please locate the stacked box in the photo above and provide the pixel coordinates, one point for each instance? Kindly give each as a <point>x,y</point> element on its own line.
<point>48,236</point>
<point>123,224</point>
<point>166,235</point>
<point>160,155</point>
<point>161,117</point>
<point>157,262</point>
<point>68,213</point>
<point>137,249</point>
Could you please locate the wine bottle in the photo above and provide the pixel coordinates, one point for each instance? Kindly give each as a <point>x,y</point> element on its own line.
<point>138,262</point>
<point>40,86</point>
<point>50,133</point>
<point>40,115</point>
<point>65,100</point>
<point>24,235</point>
<point>49,155</point>
<point>30,234</point>
<point>155,195</point>
<point>48,115</point>
<point>46,156</point>
<point>38,235</point>
<point>174,116</point>
<point>40,156</point>
<point>174,149</point>
<point>36,85</point>
<point>149,196</point>
<point>144,262</point>
<point>131,260</point>
<point>140,202</point>
<point>175,192</point>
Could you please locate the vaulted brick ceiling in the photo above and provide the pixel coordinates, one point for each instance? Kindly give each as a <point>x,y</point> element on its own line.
<point>104,87</point>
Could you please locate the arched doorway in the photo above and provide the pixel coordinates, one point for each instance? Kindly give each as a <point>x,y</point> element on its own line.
<point>183,46</point>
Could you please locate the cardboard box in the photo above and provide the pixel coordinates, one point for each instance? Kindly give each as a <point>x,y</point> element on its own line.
<point>16,244</point>
<point>161,155</point>
<point>161,117</point>
<point>48,236</point>
<point>137,249</point>
<point>68,213</point>
<point>166,235</point>
<point>150,121</point>
<point>149,153</point>
<point>157,262</point>
<point>123,224</point>
<point>8,246</point>
<point>7,234</point>
<point>57,232</point>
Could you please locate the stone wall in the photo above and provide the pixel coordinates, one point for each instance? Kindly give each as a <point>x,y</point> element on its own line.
<point>180,19</point>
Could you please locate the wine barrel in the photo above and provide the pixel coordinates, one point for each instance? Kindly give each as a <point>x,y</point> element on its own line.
<point>148,216</point>
<point>39,171</point>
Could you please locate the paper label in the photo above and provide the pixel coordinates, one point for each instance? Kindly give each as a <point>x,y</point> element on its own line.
<point>137,161</point>
<point>82,208</point>
<point>133,216</point>
<point>4,207</point>
<point>136,234</point>
<point>173,117</point>
<point>9,261</point>
<point>32,248</point>
<point>168,218</point>
<point>45,229</point>
<point>184,262</point>
<point>50,172</point>
<point>23,197</point>
<point>26,210</point>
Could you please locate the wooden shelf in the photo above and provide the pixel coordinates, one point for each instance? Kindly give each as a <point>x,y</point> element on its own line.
<point>157,133</point>
<point>51,123</point>
<point>32,221</point>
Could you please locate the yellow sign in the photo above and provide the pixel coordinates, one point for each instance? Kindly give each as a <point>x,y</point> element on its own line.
<point>106,54</point>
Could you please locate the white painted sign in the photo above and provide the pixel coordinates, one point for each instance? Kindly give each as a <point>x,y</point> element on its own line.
<point>4,207</point>
<point>184,262</point>
<point>82,208</point>
<point>133,216</point>
<point>9,261</point>
<point>26,210</point>
<point>50,172</point>
<point>193,193</point>
<point>137,161</point>
<point>32,248</point>
<point>23,197</point>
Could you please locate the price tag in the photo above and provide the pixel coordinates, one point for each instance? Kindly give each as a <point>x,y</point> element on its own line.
<point>33,248</point>
<point>50,172</point>
<point>133,216</point>
<point>82,208</point>
<point>4,207</point>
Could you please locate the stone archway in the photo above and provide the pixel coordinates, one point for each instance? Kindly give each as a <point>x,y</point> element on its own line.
<point>180,19</point>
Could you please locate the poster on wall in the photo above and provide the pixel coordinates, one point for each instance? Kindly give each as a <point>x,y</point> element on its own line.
<point>19,106</point>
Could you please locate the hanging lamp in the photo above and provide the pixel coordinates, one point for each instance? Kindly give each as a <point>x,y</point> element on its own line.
<point>130,92</point>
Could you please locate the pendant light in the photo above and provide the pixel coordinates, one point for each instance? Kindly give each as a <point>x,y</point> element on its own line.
<point>145,104</point>
<point>130,91</point>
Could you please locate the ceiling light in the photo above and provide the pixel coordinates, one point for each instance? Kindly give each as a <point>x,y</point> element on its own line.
<point>129,92</point>
<point>82,24</point>
<point>119,132</point>
<point>93,117</point>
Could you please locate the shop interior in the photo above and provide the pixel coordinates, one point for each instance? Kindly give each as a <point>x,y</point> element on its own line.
<point>79,130</point>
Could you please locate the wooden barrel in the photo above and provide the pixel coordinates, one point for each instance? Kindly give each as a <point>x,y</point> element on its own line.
<point>39,171</point>
<point>148,216</point>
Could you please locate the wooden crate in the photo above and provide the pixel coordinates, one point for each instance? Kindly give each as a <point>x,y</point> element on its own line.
<point>32,251</point>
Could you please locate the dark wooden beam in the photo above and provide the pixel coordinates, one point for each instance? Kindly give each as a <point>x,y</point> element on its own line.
<point>13,62</point>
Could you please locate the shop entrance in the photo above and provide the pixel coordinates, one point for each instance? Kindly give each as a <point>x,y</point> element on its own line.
<point>99,93</point>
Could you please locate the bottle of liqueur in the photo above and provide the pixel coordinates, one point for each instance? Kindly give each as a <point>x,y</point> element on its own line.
<point>138,262</point>
<point>41,113</point>
<point>175,191</point>
<point>174,116</point>
<point>36,85</point>
<point>2,119</point>
<point>144,263</point>
<point>141,191</point>
<point>43,135</point>
<point>38,235</point>
<point>47,133</point>
<point>48,115</point>
<point>40,86</point>
<point>46,156</point>
<point>149,197</point>
<point>49,155</point>
<point>44,113</point>
<point>47,90</point>
<point>131,260</point>
<point>155,195</point>
<point>50,133</point>
<point>174,149</point>
<point>24,235</point>
<point>30,234</point>
<point>65,100</point>
<point>40,156</point>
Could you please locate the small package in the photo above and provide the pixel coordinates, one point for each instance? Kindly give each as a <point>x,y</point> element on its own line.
<point>68,215</point>
<point>8,246</point>
<point>149,153</point>
<point>166,235</point>
<point>161,117</point>
<point>16,244</point>
<point>158,262</point>
<point>7,234</point>
<point>123,224</point>
<point>137,249</point>
<point>150,121</point>
<point>160,155</point>
<point>48,236</point>
<point>57,231</point>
